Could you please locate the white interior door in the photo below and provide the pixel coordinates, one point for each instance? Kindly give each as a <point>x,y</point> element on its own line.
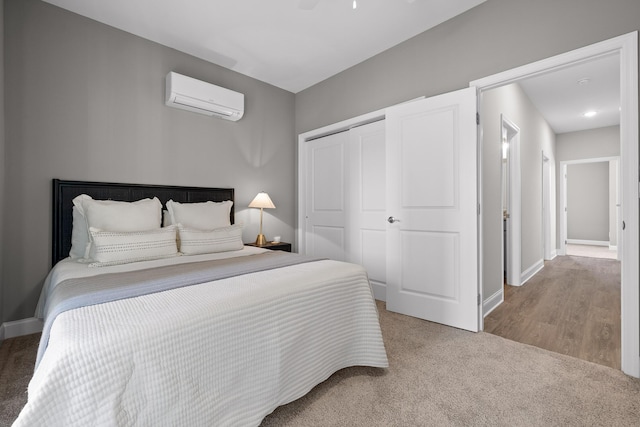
<point>432,247</point>
<point>325,210</point>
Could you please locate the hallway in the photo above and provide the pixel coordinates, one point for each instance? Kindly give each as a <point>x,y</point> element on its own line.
<point>571,307</point>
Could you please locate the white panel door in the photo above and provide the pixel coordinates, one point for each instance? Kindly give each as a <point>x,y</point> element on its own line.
<point>432,247</point>
<point>366,204</point>
<point>325,222</point>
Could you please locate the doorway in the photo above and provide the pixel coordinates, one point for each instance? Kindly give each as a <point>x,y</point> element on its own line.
<point>626,48</point>
<point>590,185</point>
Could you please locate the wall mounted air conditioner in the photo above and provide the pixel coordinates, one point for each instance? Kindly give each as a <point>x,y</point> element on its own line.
<point>201,97</point>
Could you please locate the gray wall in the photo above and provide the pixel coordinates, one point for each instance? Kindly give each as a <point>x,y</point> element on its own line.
<point>588,201</point>
<point>535,137</point>
<point>587,144</point>
<point>495,36</point>
<point>87,103</point>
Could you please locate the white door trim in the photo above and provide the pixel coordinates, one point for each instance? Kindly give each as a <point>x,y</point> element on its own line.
<point>627,47</point>
<point>514,205</point>
<point>546,209</point>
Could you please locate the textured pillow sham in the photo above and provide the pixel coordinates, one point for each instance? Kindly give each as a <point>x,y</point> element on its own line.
<point>224,239</point>
<point>120,247</point>
<point>111,215</point>
<point>127,216</point>
<point>200,216</point>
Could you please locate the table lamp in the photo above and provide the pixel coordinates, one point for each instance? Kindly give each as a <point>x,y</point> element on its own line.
<point>262,201</point>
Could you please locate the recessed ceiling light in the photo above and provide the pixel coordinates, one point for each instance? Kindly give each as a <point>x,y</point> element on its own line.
<point>590,114</point>
<point>584,81</point>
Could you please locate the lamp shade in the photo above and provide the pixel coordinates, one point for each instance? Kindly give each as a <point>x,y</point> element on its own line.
<point>262,200</point>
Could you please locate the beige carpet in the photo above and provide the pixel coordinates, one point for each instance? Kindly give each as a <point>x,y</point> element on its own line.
<point>17,358</point>
<point>439,376</point>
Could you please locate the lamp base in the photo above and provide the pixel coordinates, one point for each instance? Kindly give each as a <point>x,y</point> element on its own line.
<point>261,240</point>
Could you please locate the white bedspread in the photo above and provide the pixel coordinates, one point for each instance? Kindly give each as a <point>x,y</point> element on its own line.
<point>223,353</point>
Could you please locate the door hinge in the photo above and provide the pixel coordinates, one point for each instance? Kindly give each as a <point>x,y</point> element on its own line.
<point>479,299</point>
<point>477,118</point>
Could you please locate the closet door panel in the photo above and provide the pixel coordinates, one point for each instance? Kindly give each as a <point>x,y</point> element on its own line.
<point>366,204</point>
<point>345,200</point>
<point>325,197</point>
<point>328,242</point>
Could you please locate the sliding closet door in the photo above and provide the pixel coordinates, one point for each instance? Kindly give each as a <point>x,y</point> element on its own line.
<point>366,204</point>
<point>346,200</point>
<point>326,196</point>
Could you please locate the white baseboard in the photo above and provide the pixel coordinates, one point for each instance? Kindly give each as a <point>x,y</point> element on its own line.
<point>531,271</point>
<point>17,328</point>
<point>491,303</point>
<point>588,242</point>
<point>613,247</point>
<point>554,253</point>
<point>379,291</point>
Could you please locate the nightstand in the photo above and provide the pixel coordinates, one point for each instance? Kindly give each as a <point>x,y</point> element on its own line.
<point>279,246</point>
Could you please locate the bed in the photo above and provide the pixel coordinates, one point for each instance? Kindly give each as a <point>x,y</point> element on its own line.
<point>213,338</point>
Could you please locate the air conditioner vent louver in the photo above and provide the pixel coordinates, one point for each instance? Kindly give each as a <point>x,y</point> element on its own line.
<point>201,97</point>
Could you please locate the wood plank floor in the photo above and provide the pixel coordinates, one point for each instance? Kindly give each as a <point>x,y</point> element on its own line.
<point>571,307</point>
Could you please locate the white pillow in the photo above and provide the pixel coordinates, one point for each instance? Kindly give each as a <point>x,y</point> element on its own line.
<point>201,216</point>
<point>79,236</point>
<point>223,239</point>
<point>118,247</point>
<point>111,215</point>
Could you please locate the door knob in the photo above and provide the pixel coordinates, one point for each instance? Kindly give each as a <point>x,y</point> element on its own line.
<point>392,220</point>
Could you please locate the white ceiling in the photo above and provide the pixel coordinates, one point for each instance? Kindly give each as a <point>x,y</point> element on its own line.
<point>291,44</point>
<point>562,100</point>
<point>294,44</point>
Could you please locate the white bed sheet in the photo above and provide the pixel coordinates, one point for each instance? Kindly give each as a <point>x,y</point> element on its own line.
<point>222,353</point>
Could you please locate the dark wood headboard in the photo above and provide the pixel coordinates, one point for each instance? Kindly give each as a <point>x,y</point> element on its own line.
<point>65,191</point>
